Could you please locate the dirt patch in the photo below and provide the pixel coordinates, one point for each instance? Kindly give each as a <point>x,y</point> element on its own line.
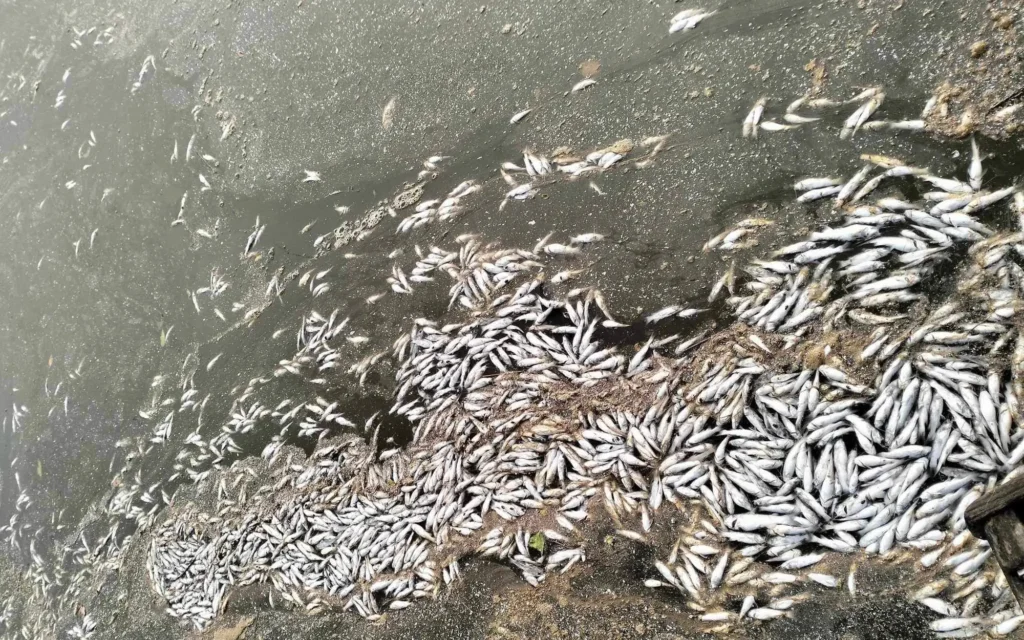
<point>234,632</point>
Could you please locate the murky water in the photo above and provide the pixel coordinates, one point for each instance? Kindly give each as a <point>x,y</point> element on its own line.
<point>304,85</point>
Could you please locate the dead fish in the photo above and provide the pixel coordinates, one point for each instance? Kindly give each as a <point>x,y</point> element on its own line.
<point>816,183</point>
<point>750,123</point>
<point>586,238</point>
<point>560,249</point>
<point>520,116</point>
<point>583,84</point>
<point>562,276</point>
<point>689,20</point>
<point>771,125</point>
<point>387,116</point>
<point>797,119</point>
<point>657,316</point>
<point>974,171</point>
<point>209,365</point>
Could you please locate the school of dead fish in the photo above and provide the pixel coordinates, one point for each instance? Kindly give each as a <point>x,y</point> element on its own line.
<point>874,451</point>
<point>796,458</point>
<point>789,465</point>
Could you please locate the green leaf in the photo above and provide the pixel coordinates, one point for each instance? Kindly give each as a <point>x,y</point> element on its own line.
<point>537,542</point>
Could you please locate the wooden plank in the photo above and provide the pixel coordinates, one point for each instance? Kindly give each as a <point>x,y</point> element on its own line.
<point>1005,534</point>
<point>993,502</point>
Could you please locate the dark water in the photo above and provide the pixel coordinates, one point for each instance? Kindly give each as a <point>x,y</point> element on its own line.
<point>305,84</point>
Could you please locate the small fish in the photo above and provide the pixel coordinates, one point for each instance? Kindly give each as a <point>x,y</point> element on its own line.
<point>657,316</point>
<point>691,18</point>
<point>797,119</point>
<point>885,162</point>
<point>685,14</point>
<point>817,194</point>
<point>562,276</point>
<point>974,171</point>
<point>254,238</point>
<point>771,125</point>
<point>929,106</point>
<point>560,249</point>
<point>850,187</point>
<point>862,114</point>
<point>520,116</point>
<point>816,183</point>
<point>583,84</point>
<point>907,125</point>
<point>947,185</point>
<point>750,123</point>
<point>943,625</point>
<point>387,116</point>
<point>1008,626</point>
<point>311,176</point>
<point>209,365</point>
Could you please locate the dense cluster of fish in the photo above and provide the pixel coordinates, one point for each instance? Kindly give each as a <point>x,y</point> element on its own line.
<point>845,413</point>
<point>867,101</point>
<point>439,210</point>
<point>793,450</point>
